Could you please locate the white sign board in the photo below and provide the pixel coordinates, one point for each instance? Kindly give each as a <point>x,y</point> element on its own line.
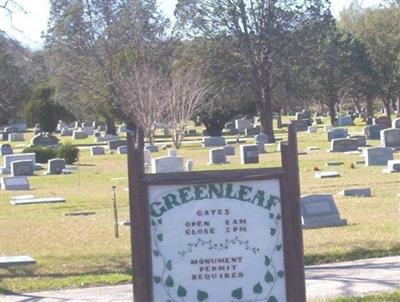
<point>217,242</point>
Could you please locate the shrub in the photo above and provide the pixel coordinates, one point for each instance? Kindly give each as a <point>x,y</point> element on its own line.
<point>43,154</point>
<point>68,152</point>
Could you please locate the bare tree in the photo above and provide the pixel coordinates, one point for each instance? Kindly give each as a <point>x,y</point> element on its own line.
<point>188,91</point>
<point>144,101</point>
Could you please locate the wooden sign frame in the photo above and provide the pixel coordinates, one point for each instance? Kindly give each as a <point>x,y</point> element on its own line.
<point>288,176</point>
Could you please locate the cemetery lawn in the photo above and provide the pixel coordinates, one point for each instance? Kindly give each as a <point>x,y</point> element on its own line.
<point>385,297</point>
<point>74,251</point>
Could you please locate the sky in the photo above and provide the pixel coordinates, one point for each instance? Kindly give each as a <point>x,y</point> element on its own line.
<point>27,26</point>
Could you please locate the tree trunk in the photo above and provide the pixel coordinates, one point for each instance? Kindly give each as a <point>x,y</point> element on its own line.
<point>370,109</point>
<point>264,106</point>
<point>398,107</point>
<point>279,119</point>
<point>111,126</point>
<point>332,112</point>
<point>356,104</point>
<point>387,109</point>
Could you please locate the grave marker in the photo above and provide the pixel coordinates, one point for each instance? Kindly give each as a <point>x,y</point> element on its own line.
<point>217,156</point>
<point>22,168</point>
<point>377,156</point>
<point>6,149</point>
<point>55,166</point>
<point>167,164</point>
<point>249,154</point>
<point>390,138</point>
<point>97,150</point>
<point>320,211</point>
<point>16,183</point>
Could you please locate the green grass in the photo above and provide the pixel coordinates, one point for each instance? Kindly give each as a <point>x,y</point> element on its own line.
<point>385,297</point>
<point>77,251</point>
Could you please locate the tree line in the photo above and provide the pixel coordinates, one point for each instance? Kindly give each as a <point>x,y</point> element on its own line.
<point>123,60</point>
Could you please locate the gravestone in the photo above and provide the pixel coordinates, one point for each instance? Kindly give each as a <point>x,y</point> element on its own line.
<point>151,148</point>
<point>191,132</point>
<point>122,150</point>
<point>213,141</point>
<point>327,174</point>
<point>31,200</point>
<point>16,137</point>
<point>243,124</point>
<point>77,134</point>
<point>147,156</point>
<point>4,136</point>
<point>217,156</point>
<point>302,125</point>
<point>252,131</point>
<point>337,133</point>
<point>8,159</point>
<point>343,145</point>
<point>361,139</point>
<point>172,152</point>
<point>392,166</point>
<point>113,145</point>
<point>66,132</point>
<point>106,138</point>
<point>167,164</point>
<point>189,165</point>
<point>96,150</point>
<point>377,156</point>
<point>383,121</point>
<point>17,183</point>
<point>344,121</point>
<point>301,115</point>
<point>87,129</point>
<point>390,138</point>
<point>312,129</point>
<point>373,131</point>
<point>55,166</point>
<point>319,210</point>
<point>249,154</point>
<point>359,192</point>
<point>261,147</point>
<point>261,138</point>
<point>8,261</point>
<point>6,149</point>
<point>396,123</point>
<point>18,127</point>
<point>229,150</point>
<point>22,168</point>
<point>44,139</point>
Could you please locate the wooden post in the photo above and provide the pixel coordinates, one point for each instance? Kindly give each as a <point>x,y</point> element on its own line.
<point>294,262</point>
<point>139,218</point>
<point>116,233</point>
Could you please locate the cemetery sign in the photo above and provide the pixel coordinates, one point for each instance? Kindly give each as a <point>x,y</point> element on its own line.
<point>217,235</point>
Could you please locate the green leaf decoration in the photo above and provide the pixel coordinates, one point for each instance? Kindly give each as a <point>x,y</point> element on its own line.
<point>160,237</point>
<point>181,292</point>
<point>159,221</point>
<point>278,217</point>
<point>271,215</point>
<point>169,282</point>
<point>153,223</point>
<point>237,293</point>
<point>272,299</point>
<point>267,260</point>
<point>202,295</point>
<point>269,277</point>
<point>157,279</point>
<point>169,265</point>
<point>279,247</point>
<point>257,289</point>
<point>156,253</point>
<point>273,231</point>
<point>280,274</point>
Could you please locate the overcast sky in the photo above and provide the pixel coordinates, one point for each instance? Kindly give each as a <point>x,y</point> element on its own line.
<point>27,27</point>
